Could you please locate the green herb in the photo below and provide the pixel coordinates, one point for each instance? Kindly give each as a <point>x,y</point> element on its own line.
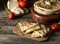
<point>48,3</point>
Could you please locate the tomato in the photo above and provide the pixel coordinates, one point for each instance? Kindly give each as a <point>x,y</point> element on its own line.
<point>55,26</point>
<point>11,16</point>
<point>23,3</point>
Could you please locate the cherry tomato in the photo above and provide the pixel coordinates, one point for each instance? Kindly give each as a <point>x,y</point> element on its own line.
<point>23,3</point>
<point>11,16</point>
<point>55,26</point>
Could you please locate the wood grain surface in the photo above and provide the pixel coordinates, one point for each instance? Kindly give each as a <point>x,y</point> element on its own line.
<point>8,37</point>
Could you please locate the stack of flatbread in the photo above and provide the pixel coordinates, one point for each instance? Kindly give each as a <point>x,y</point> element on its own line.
<point>35,29</point>
<point>54,8</point>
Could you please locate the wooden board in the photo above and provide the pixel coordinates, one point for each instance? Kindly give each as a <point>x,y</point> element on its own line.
<point>17,31</point>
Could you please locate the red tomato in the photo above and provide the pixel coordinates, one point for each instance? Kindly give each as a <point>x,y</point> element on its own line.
<point>11,16</point>
<point>55,26</point>
<point>23,3</point>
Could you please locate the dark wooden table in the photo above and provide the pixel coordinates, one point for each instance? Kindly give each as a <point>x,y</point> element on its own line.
<point>8,37</point>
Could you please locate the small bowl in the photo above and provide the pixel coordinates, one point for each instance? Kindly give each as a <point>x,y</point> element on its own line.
<point>44,18</point>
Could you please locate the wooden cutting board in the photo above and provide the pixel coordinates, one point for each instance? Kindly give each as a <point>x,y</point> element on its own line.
<point>17,31</point>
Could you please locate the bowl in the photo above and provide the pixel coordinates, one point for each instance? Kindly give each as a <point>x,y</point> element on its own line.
<point>44,18</point>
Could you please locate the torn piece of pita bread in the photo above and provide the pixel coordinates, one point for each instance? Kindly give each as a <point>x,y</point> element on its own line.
<point>14,7</point>
<point>25,25</point>
<point>40,33</point>
<point>33,29</point>
<point>43,27</point>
